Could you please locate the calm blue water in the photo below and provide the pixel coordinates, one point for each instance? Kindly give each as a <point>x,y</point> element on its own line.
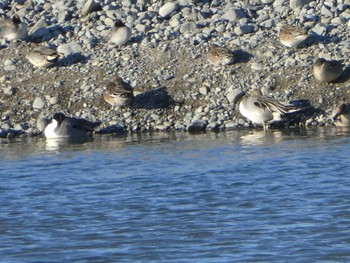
<point>230,197</point>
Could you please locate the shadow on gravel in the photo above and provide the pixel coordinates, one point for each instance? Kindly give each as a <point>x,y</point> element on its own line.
<point>344,77</point>
<point>72,59</point>
<point>241,56</point>
<point>154,99</point>
<point>314,39</point>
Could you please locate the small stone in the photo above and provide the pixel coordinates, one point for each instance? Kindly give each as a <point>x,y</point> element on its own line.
<point>9,91</point>
<point>69,48</point>
<point>39,29</point>
<point>38,103</point>
<point>269,23</point>
<point>166,10</point>
<point>188,27</point>
<point>89,7</point>
<point>319,30</point>
<point>197,126</point>
<point>54,100</point>
<point>234,14</point>
<point>212,126</point>
<point>298,3</point>
<point>256,66</point>
<point>41,123</point>
<point>203,90</point>
<point>234,94</point>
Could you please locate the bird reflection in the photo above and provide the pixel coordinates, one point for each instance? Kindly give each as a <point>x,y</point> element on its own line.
<point>60,143</point>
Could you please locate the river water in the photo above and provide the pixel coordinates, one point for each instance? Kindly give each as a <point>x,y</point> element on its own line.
<point>242,196</point>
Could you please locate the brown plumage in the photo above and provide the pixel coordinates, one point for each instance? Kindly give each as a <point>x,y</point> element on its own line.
<point>118,93</point>
<point>218,55</point>
<point>327,70</point>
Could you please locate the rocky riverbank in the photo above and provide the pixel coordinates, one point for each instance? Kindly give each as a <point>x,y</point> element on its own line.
<point>165,61</point>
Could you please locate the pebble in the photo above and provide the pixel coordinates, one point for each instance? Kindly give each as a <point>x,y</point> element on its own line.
<point>89,7</point>
<point>69,48</point>
<point>169,8</point>
<point>38,103</point>
<point>197,126</point>
<point>298,3</point>
<point>234,14</point>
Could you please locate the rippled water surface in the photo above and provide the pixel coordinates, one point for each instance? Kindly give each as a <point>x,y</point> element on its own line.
<point>240,196</point>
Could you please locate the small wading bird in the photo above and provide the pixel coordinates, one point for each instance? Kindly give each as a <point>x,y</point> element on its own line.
<point>118,93</point>
<point>327,70</point>
<point>42,57</point>
<point>341,117</point>
<point>12,29</point>
<point>265,110</point>
<point>291,36</point>
<point>66,127</point>
<point>220,55</point>
<point>120,33</point>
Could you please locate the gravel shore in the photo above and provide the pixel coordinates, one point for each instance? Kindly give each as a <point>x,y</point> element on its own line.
<point>165,61</point>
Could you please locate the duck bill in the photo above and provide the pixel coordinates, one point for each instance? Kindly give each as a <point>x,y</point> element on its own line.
<point>335,116</point>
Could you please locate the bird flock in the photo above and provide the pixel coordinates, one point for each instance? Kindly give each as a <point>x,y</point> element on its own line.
<point>256,107</point>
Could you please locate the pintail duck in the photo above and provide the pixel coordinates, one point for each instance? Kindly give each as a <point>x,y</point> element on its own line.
<point>120,33</point>
<point>265,110</point>
<point>42,57</point>
<point>327,70</point>
<point>118,93</point>
<point>12,29</point>
<point>66,127</point>
<point>218,55</point>
<point>291,36</point>
<point>341,115</point>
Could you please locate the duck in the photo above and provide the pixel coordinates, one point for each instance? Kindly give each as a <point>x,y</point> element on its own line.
<point>118,93</point>
<point>62,126</point>
<point>218,55</point>
<point>291,36</point>
<point>341,116</point>
<point>42,57</point>
<point>265,110</point>
<point>327,70</point>
<point>12,29</point>
<point>120,33</point>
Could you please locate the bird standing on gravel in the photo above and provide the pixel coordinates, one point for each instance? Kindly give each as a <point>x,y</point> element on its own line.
<point>42,57</point>
<point>291,36</point>
<point>66,127</point>
<point>120,34</point>
<point>265,110</point>
<point>118,93</point>
<point>327,70</point>
<point>12,29</point>
<point>218,55</point>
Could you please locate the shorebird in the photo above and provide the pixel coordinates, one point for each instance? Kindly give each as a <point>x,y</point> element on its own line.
<point>12,29</point>
<point>291,36</point>
<point>42,56</point>
<point>341,115</point>
<point>118,92</point>
<point>120,33</point>
<point>265,110</point>
<point>327,70</point>
<point>66,127</point>
<point>218,55</point>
